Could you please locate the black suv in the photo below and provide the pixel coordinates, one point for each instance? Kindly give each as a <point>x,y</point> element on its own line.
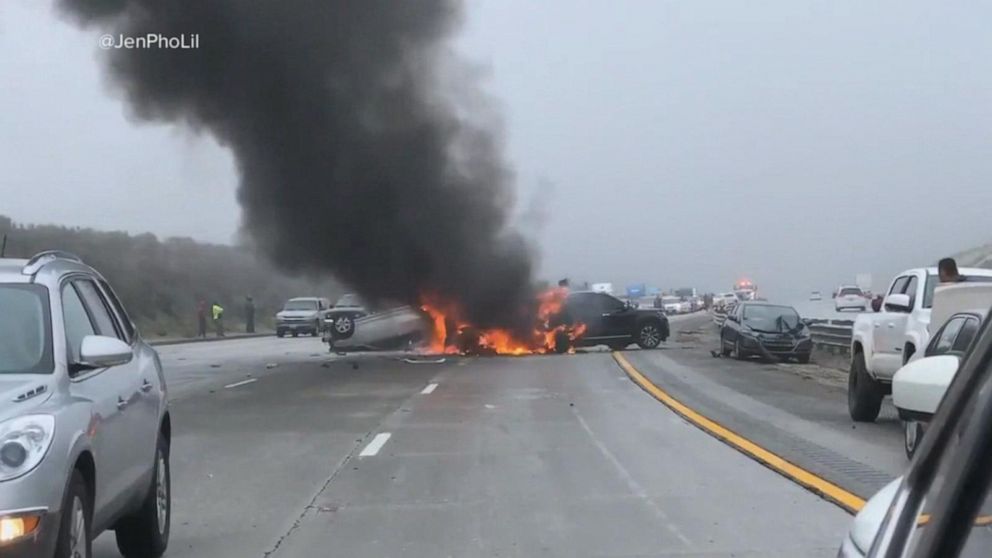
<point>609,321</point>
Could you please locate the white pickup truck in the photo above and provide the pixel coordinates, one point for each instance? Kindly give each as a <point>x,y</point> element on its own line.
<point>882,342</point>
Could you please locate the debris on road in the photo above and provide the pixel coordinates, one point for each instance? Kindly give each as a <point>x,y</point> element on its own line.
<point>271,365</point>
<point>428,360</point>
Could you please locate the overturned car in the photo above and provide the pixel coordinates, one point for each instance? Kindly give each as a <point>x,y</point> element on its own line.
<point>397,328</point>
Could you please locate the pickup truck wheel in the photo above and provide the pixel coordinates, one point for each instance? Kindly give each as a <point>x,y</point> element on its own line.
<point>864,393</point>
<point>316,329</point>
<point>146,533</point>
<point>913,433</point>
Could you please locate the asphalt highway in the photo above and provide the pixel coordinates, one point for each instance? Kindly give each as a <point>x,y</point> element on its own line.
<point>283,450</point>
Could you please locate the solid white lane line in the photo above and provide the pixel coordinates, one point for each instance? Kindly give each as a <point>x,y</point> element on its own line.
<point>241,383</point>
<point>632,484</point>
<point>375,445</point>
<point>429,389</point>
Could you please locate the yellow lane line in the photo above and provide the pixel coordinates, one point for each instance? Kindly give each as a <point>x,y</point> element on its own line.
<point>846,500</point>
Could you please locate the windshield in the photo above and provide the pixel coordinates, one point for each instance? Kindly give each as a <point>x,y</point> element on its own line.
<point>851,291</point>
<point>300,305</point>
<point>770,318</point>
<point>25,330</point>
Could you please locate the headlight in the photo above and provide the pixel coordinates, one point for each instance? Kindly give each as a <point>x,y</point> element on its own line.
<point>24,441</point>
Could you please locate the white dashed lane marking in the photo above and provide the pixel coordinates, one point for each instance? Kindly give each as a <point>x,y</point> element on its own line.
<point>375,445</point>
<point>236,384</point>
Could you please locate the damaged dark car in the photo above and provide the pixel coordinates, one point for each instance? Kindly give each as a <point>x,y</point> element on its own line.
<point>609,321</point>
<point>772,331</point>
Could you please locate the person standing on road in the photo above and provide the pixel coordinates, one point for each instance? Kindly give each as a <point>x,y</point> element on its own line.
<point>201,318</point>
<point>249,315</point>
<point>218,315</point>
<point>947,270</point>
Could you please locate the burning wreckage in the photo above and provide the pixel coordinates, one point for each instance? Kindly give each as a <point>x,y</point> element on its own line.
<point>558,322</point>
<point>439,328</point>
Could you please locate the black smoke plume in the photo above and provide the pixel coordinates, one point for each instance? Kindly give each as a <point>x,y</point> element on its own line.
<point>352,158</point>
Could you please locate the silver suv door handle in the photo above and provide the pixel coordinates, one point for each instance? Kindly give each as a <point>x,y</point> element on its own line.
<point>146,386</point>
<point>121,403</point>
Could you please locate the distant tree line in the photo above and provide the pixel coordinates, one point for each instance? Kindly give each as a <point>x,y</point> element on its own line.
<point>160,281</point>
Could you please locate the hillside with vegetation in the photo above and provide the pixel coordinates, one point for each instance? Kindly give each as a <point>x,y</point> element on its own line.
<point>160,280</point>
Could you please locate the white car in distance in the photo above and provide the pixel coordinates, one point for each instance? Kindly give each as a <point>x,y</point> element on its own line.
<point>850,297</point>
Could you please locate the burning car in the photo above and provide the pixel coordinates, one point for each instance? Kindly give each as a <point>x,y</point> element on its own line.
<point>397,328</point>
<point>340,318</point>
<point>607,320</point>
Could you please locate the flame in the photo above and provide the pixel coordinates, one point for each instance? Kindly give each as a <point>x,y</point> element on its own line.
<point>501,341</point>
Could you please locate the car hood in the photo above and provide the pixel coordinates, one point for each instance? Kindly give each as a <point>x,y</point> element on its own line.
<point>869,519</point>
<point>297,314</point>
<point>20,393</point>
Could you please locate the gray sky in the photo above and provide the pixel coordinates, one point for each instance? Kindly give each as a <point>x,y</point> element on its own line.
<point>674,143</point>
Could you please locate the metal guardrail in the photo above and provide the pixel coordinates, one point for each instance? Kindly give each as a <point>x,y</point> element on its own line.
<point>834,335</point>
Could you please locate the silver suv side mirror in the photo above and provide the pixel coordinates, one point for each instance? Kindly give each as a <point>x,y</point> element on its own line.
<point>98,351</point>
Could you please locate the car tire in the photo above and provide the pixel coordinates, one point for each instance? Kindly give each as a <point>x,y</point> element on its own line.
<point>316,329</point>
<point>864,393</point>
<point>912,436</point>
<point>562,342</point>
<point>343,327</point>
<point>280,333</point>
<point>146,533</point>
<point>296,333</point>
<point>803,359</point>
<point>739,353</point>
<point>649,334</point>
<point>75,525</point>
<point>723,346</point>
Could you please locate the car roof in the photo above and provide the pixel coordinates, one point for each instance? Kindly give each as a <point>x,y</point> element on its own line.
<point>932,270</point>
<point>46,264</point>
<point>305,298</point>
<point>10,270</point>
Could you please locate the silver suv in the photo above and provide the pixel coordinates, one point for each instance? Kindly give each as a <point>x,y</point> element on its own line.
<point>84,425</point>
